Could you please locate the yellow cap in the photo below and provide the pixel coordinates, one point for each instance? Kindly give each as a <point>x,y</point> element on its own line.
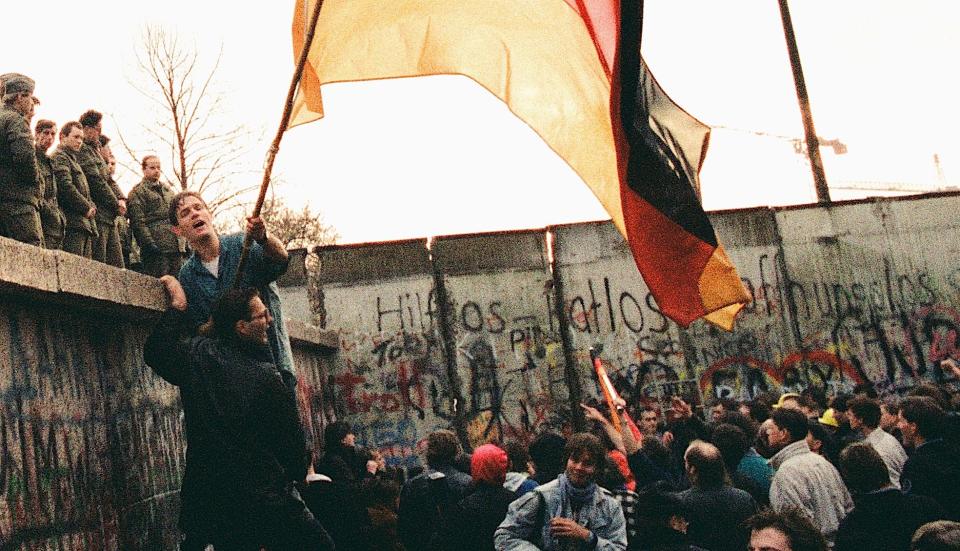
<point>828,419</point>
<point>783,398</point>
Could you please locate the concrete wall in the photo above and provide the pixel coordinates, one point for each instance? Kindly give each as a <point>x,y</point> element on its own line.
<point>858,291</point>
<point>91,442</point>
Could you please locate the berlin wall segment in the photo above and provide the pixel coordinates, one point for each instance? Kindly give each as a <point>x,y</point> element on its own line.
<point>867,292</point>
<point>90,440</point>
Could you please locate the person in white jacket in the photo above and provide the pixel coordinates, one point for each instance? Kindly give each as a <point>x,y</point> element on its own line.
<point>804,479</point>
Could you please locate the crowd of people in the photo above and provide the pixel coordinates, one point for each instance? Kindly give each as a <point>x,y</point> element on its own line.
<point>795,472</point>
<point>68,198</point>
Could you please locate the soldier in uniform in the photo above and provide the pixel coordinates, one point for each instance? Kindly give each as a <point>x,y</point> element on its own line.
<point>161,251</point>
<point>51,217</point>
<point>73,192</point>
<point>105,193</point>
<point>20,186</point>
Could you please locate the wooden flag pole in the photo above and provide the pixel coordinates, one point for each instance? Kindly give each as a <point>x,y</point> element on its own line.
<point>813,143</point>
<point>275,146</point>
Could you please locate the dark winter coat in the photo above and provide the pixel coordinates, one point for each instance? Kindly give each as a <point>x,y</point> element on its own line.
<point>716,517</point>
<point>425,501</point>
<point>476,517</point>
<point>885,521</point>
<point>933,470</point>
<point>245,444</point>
<point>73,191</point>
<point>19,181</point>
<point>337,505</point>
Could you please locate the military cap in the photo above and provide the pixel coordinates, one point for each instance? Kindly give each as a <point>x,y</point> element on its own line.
<point>15,83</point>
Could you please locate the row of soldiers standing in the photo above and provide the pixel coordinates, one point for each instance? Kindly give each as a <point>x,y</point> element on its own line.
<point>69,199</point>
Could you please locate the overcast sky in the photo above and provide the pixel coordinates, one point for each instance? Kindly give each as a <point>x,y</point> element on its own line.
<point>439,155</point>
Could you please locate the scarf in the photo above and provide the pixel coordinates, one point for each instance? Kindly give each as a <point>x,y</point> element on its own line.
<point>576,497</point>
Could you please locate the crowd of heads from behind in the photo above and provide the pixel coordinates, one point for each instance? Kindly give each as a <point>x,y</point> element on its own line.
<point>777,473</point>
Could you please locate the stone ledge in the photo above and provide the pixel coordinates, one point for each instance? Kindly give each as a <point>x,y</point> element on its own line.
<point>310,335</point>
<point>25,269</point>
<point>65,278</point>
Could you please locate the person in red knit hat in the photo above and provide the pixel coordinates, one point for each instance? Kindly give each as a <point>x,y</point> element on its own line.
<point>475,518</point>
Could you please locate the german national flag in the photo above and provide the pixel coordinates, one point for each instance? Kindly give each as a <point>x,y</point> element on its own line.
<point>570,69</point>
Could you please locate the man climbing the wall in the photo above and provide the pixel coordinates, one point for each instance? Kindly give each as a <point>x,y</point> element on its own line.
<point>245,444</point>
<point>212,268</point>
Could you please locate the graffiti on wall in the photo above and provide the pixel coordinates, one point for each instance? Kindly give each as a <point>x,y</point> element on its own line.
<point>76,457</point>
<point>828,313</point>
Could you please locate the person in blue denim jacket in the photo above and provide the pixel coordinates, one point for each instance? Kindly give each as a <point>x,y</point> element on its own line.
<point>570,513</point>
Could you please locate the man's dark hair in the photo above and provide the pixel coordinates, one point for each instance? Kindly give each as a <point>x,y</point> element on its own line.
<point>334,433</point>
<point>940,535</point>
<point>231,307</point>
<point>177,200</point>
<point>655,504</point>
<point>866,389</point>
<point>840,402</point>
<point>759,410</point>
<point>866,409</point>
<point>792,421</point>
<point>90,118</point>
<point>809,402</point>
<point>892,405</point>
<point>654,449</point>
<point>926,413</point>
<point>863,469</point>
<point>584,445</point>
<point>43,124</point>
<point>792,523</point>
<point>380,492</point>
<point>738,419</point>
<point>442,448</point>
<point>732,442</point>
<point>707,463</point>
<point>104,140</point>
<point>813,397</point>
<point>933,391</point>
<point>68,127</point>
<point>517,456</point>
<point>611,479</point>
<point>547,453</point>
<point>829,448</point>
<point>728,404</point>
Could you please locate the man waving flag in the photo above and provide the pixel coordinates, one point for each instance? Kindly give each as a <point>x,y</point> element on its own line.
<point>570,69</point>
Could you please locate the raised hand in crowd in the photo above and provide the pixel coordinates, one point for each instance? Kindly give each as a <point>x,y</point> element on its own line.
<point>680,408</point>
<point>950,366</point>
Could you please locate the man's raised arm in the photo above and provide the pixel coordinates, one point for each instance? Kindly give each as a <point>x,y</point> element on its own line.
<point>167,349</point>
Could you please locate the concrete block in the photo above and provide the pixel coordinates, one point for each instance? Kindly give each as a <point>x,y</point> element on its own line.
<point>95,285</point>
<point>464,254</point>
<point>374,261</point>
<point>304,334</point>
<point>26,269</point>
